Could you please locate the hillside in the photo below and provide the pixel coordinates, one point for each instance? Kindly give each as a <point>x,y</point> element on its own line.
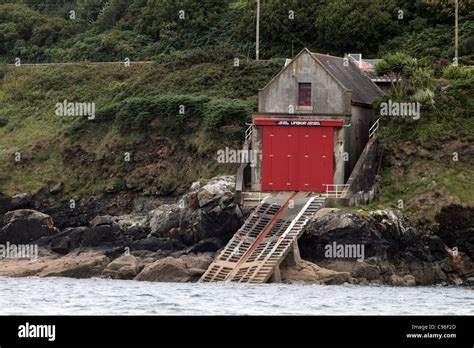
<point>138,107</point>
<point>429,162</point>
<point>137,111</point>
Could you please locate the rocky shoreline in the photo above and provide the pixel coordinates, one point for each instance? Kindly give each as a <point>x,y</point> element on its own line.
<point>177,241</point>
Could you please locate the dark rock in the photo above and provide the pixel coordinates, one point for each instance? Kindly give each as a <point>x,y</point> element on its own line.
<point>456,228</point>
<point>24,226</point>
<point>206,245</point>
<point>21,201</point>
<point>153,244</point>
<point>67,240</point>
<point>385,234</point>
<point>221,221</point>
<point>65,216</point>
<point>124,267</point>
<point>137,232</point>
<point>341,227</point>
<point>83,237</point>
<point>208,213</point>
<point>102,234</point>
<point>61,245</point>
<point>5,204</point>
<point>436,247</point>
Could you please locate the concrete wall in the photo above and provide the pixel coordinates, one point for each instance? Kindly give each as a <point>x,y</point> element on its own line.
<point>363,176</point>
<point>357,135</point>
<point>339,163</point>
<point>327,95</point>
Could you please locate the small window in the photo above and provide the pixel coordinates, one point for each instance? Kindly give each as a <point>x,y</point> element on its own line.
<point>304,94</point>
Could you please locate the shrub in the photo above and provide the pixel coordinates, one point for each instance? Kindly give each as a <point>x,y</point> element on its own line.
<point>3,71</point>
<point>3,122</point>
<point>166,114</point>
<point>220,112</point>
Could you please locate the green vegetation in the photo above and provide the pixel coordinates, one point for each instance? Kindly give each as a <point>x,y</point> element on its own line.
<point>98,30</point>
<point>171,116</point>
<point>159,113</point>
<point>430,158</point>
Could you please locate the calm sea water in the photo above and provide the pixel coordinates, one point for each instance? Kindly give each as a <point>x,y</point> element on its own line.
<point>65,296</point>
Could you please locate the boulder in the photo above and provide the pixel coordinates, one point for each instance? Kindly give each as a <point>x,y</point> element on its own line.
<point>124,267</point>
<point>220,185</point>
<point>77,265</point>
<point>21,201</point>
<point>359,270</point>
<point>199,261</point>
<point>384,234</point>
<point>341,227</point>
<point>15,267</point>
<point>308,272</point>
<point>61,245</point>
<point>166,270</point>
<point>26,225</point>
<point>204,198</point>
<point>67,240</point>
<point>163,219</point>
<point>220,220</point>
<point>207,213</point>
<point>407,280</point>
<point>436,247</point>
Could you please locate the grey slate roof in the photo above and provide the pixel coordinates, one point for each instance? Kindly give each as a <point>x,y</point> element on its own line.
<point>351,77</point>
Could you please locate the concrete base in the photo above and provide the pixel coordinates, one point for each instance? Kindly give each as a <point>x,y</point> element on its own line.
<point>276,275</point>
<point>293,257</point>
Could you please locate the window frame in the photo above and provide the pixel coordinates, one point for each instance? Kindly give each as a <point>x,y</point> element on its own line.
<point>305,89</point>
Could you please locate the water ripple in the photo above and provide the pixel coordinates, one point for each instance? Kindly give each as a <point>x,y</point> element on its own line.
<point>64,296</point>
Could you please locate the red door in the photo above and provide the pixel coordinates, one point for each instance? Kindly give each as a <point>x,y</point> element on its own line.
<point>297,158</point>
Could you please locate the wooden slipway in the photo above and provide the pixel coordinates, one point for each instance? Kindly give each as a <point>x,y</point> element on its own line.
<point>265,238</point>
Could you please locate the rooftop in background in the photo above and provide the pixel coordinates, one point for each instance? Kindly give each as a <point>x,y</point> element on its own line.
<point>364,64</point>
<point>363,89</point>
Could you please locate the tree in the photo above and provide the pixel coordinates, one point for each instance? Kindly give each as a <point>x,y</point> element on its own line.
<point>396,66</point>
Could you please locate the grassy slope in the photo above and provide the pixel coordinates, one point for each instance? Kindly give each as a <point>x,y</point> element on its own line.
<point>429,163</point>
<point>88,155</point>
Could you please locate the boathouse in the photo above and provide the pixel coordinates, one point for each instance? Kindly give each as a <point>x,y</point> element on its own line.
<point>312,124</point>
<point>313,132</point>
